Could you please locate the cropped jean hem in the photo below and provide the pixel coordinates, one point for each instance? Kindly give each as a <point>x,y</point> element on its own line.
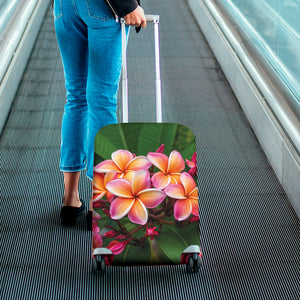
<point>73,169</point>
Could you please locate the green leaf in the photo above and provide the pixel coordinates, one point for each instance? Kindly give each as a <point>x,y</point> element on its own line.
<point>188,152</point>
<point>149,138</point>
<point>141,138</point>
<point>133,255</point>
<point>184,138</point>
<point>157,255</point>
<point>191,233</point>
<point>171,243</point>
<point>174,240</point>
<point>123,137</point>
<point>131,133</point>
<point>168,136</point>
<point>108,140</point>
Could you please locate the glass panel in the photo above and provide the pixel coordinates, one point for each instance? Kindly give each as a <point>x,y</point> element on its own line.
<point>273,27</point>
<point>7,8</point>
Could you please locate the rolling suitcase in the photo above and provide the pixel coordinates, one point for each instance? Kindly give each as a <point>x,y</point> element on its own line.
<point>145,194</point>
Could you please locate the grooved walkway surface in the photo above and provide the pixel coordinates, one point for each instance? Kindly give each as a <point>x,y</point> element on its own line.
<point>249,231</point>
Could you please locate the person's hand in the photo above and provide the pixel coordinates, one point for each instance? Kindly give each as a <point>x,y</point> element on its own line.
<point>136,18</point>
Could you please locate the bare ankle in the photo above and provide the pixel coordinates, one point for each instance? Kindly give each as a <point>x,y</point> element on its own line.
<point>71,201</point>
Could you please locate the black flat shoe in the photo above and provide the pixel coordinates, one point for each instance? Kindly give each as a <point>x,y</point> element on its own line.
<point>69,214</point>
<point>89,219</point>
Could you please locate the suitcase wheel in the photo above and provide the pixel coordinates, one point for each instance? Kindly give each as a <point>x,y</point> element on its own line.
<point>98,264</point>
<point>194,263</point>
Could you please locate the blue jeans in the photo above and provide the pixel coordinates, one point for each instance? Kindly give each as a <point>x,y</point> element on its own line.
<point>90,43</point>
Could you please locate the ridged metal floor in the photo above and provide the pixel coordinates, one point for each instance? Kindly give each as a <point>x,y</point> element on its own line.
<point>249,231</point>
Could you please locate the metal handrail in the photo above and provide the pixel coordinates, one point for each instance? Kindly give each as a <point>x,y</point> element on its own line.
<point>13,25</point>
<point>20,24</point>
<point>6,12</point>
<point>277,95</point>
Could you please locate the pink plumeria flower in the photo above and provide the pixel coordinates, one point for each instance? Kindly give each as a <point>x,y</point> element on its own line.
<point>192,164</point>
<point>121,237</point>
<point>117,247</point>
<point>95,227</point>
<point>161,149</point>
<point>186,194</point>
<point>194,219</point>
<point>96,237</point>
<point>134,197</point>
<point>151,232</point>
<point>95,216</point>
<point>109,234</point>
<point>170,168</point>
<point>99,185</point>
<point>124,163</point>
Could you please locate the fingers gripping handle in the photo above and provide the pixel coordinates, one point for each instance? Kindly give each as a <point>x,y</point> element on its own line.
<point>155,20</point>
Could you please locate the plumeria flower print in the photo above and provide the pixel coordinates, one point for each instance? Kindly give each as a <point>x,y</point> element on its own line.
<point>97,239</point>
<point>186,194</point>
<point>151,232</point>
<point>192,164</point>
<point>109,234</point>
<point>160,149</point>
<point>170,168</point>
<point>99,185</point>
<point>95,216</point>
<point>134,197</point>
<point>124,163</point>
<point>117,247</point>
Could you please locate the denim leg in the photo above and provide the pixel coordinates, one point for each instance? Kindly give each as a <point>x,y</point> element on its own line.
<point>71,35</point>
<point>105,63</point>
<point>91,47</point>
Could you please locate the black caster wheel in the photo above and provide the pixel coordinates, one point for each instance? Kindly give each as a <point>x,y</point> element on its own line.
<point>194,263</point>
<point>98,264</point>
<point>197,264</point>
<point>94,265</point>
<point>190,265</point>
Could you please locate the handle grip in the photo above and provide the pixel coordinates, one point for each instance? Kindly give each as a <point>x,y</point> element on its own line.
<point>152,18</point>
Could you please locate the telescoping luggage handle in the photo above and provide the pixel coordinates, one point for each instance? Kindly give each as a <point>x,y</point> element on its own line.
<point>155,20</point>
